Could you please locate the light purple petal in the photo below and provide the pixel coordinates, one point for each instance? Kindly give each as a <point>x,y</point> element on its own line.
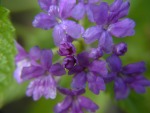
<point>106,42</point>
<point>116,5</point>
<point>93,1</point>
<point>35,53</point>
<point>64,105</point>
<point>89,12</point>
<point>21,52</point>
<point>46,59</point>
<point>135,68</point>
<point>138,88</point>
<point>19,67</point>
<point>100,13</point>
<point>83,59</point>
<point>114,63</point>
<point>87,104</point>
<point>121,89</point>
<point>42,86</point>
<point>79,80</point>
<point>72,28</point>
<point>58,35</point>
<point>95,83</point>
<point>66,7</point>
<point>122,28</point>
<point>78,11</point>
<point>57,69</point>
<point>99,67</point>
<point>45,4</point>
<point>92,34</point>
<point>44,21</point>
<point>32,72</point>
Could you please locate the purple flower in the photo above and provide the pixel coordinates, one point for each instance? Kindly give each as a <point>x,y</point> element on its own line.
<point>126,77</point>
<point>120,49</point>
<point>109,24</point>
<point>24,59</point>
<point>56,17</point>
<point>84,7</point>
<point>43,83</point>
<point>74,103</point>
<point>66,48</point>
<point>91,72</point>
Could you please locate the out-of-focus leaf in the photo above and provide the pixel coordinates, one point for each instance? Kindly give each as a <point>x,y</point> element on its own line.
<point>8,88</point>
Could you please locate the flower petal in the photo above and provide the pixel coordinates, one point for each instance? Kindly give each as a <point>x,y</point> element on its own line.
<point>95,83</point>
<point>58,35</point>
<point>135,68</point>
<point>78,11</point>
<point>32,72</point>
<point>121,89</point>
<point>44,21</point>
<point>21,52</point>
<point>57,69</point>
<point>100,13</point>
<point>114,63</point>
<point>35,53</point>
<point>42,86</point>
<point>64,105</point>
<point>106,42</point>
<point>46,59</point>
<point>83,59</point>
<point>92,34</point>
<point>87,104</point>
<point>122,28</point>
<point>66,7</point>
<point>79,80</point>
<point>45,4</point>
<point>99,67</point>
<point>72,28</point>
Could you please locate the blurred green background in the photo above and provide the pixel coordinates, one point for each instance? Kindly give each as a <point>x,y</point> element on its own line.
<point>12,96</point>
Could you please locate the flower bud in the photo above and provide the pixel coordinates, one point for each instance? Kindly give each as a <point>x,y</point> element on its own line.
<point>120,49</point>
<point>66,48</point>
<point>96,53</point>
<point>69,62</point>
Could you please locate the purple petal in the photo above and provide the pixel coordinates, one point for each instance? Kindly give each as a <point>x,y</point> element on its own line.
<point>83,59</point>
<point>35,53</point>
<point>57,69</point>
<point>114,63</point>
<point>76,108</point>
<point>106,42</point>
<point>44,21</point>
<point>122,28</point>
<point>79,80</point>
<point>69,62</point>
<point>89,11</point>
<point>32,72</point>
<point>72,28</point>
<point>120,49</point>
<point>92,34</point>
<point>76,69</point>
<point>21,52</point>
<point>71,92</point>
<point>138,88</point>
<point>87,104</point>
<point>19,67</point>
<point>95,83</point>
<point>99,67</point>
<point>93,1</point>
<point>78,11</point>
<point>58,35</point>
<point>46,59</point>
<point>64,105</point>
<point>66,7</point>
<point>115,5</point>
<point>135,68</point>
<point>121,89</point>
<point>42,86</point>
<point>45,4</point>
<point>100,13</point>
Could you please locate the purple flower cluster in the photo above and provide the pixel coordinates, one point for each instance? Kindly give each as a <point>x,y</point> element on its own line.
<point>87,68</point>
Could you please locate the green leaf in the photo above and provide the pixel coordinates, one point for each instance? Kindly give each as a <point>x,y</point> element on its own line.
<point>7,53</point>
